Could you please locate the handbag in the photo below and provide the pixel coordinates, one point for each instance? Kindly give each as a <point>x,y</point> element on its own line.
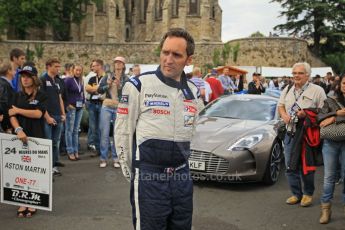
<point>334,131</point>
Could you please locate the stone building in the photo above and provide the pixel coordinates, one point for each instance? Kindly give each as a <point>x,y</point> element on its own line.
<point>114,21</point>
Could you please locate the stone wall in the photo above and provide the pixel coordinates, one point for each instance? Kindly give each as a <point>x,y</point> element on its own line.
<point>273,51</point>
<point>83,53</point>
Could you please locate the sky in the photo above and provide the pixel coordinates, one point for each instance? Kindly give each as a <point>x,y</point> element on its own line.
<point>241,18</point>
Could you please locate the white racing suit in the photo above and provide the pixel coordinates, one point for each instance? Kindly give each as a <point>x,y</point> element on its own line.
<point>153,129</point>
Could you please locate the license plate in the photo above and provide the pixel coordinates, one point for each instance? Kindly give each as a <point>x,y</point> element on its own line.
<point>197,165</point>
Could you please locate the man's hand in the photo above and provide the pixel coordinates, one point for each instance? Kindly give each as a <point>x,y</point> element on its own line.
<point>1,118</point>
<point>51,121</point>
<point>327,121</point>
<point>63,118</point>
<point>301,113</point>
<point>286,118</point>
<point>341,112</point>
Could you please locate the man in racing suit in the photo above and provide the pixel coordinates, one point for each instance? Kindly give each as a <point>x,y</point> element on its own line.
<point>155,120</point>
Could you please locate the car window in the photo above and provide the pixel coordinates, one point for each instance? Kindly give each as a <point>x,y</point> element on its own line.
<point>244,109</point>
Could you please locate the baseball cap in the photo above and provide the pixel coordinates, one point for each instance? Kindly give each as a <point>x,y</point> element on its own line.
<point>31,70</point>
<point>121,59</point>
<point>214,72</point>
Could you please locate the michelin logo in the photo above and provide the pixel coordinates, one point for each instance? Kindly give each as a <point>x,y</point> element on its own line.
<point>157,103</point>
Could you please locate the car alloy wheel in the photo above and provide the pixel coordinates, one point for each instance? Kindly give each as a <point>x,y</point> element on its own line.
<point>274,165</point>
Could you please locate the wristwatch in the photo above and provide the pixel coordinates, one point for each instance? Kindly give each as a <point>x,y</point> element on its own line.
<point>18,129</point>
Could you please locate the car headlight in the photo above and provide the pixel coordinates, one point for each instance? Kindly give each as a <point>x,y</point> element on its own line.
<point>246,142</point>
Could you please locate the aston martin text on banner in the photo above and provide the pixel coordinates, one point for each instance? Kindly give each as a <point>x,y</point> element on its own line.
<point>26,172</point>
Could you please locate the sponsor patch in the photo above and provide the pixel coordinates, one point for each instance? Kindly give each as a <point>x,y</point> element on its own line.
<point>188,121</point>
<point>34,102</point>
<point>124,99</point>
<point>122,110</point>
<point>190,109</point>
<point>188,100</point>
<point>157,103</point>
<point>153,95</point>
<point>160,111</point>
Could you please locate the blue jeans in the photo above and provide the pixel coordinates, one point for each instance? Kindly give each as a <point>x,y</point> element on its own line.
<point>94,115</point>
<point>90,141</point>
<point>295,178</point>
<point>332,153</point>
<point>53,132</point>
<point>73,119</point>
<point>108,116</point>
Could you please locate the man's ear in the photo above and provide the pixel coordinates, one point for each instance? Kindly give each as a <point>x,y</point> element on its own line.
<point>189,60</point>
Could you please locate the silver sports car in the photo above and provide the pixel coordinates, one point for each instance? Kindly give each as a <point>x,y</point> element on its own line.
<point>237,139</point>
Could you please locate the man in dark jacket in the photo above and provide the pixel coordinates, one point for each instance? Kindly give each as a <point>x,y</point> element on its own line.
<point>255,87</point>
<point>7,93</point>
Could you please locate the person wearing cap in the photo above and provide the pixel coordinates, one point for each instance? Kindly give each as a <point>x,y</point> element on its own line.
<point>317,81</point>
<point>256,87</point>
<point>215,84</point>
<point>111,86</point>
<point>27,114</point>
<point>7,93</point>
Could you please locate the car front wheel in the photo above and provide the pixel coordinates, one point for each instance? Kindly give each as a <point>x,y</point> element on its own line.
<point>274,164</point>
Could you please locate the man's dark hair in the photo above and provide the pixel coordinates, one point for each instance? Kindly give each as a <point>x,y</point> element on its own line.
<point>16,53</point>
<point>180,33</point>
<point>99,61</point>
<point>52,61</point>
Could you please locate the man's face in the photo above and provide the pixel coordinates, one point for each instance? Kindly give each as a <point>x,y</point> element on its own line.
<point>19,61</point>
<point>54,69</point>
<point>118,65</point>
<point>226,71</point>
<point>300,76</point>
<point>173,57</point>
<point>96,67</point>
<point>136,71</point>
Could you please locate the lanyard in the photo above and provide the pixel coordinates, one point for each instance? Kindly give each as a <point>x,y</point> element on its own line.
<point>303,89</point>
<point>78,85</point>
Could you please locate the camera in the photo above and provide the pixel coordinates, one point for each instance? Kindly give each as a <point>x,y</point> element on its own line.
<point>113,78</point>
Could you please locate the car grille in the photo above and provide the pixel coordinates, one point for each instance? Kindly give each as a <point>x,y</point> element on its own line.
<point>214,164</point>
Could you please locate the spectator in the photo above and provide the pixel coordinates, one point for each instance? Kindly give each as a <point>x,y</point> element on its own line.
<point>29,106</point>
<point>135,70</point>
<point>75,104</point>
<point>333,152</point>
<point>256,87</point>
<point>227,83</point>
<point>216,86</point>
<point>96,100</point>
<point>317,81</point>
<point>238,83</point>
<point>294,107</point>
<point>198,81</point>
<point>112,87</point>
<point>7,94</point>
<point>55,115</point>
<point>17,57</point>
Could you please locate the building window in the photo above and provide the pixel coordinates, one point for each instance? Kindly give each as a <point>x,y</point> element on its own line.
<point>117,11</point>
<point>193,7</point>
<point>143,10</point>
<point>158,9</point>
<point>213,12</point>
<point>175,7</point>
<point>100,5</point>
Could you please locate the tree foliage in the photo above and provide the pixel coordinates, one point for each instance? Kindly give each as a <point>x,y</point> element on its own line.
<point>20,15</point>
<point>322,21</point>
<point>257,34</point>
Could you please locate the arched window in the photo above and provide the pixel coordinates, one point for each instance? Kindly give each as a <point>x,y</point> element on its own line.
<point>194,7</point>
<point>100,5</point>
<point>117,11</point>
<point>158,9</point>
<point>143,10</point>
<point>175,7</point>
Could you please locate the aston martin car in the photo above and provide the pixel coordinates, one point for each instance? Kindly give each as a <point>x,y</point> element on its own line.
<point>238,138</point>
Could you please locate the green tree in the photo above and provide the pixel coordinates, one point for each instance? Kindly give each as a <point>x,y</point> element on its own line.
<point>319,20</point>
<point>257,34</point>
<point>20,15</point>
<point>337,61</point>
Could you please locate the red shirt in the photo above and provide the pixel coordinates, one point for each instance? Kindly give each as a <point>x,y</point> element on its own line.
<point>216,86</point>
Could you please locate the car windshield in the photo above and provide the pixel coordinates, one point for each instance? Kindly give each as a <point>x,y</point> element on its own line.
<point>244,109</point>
